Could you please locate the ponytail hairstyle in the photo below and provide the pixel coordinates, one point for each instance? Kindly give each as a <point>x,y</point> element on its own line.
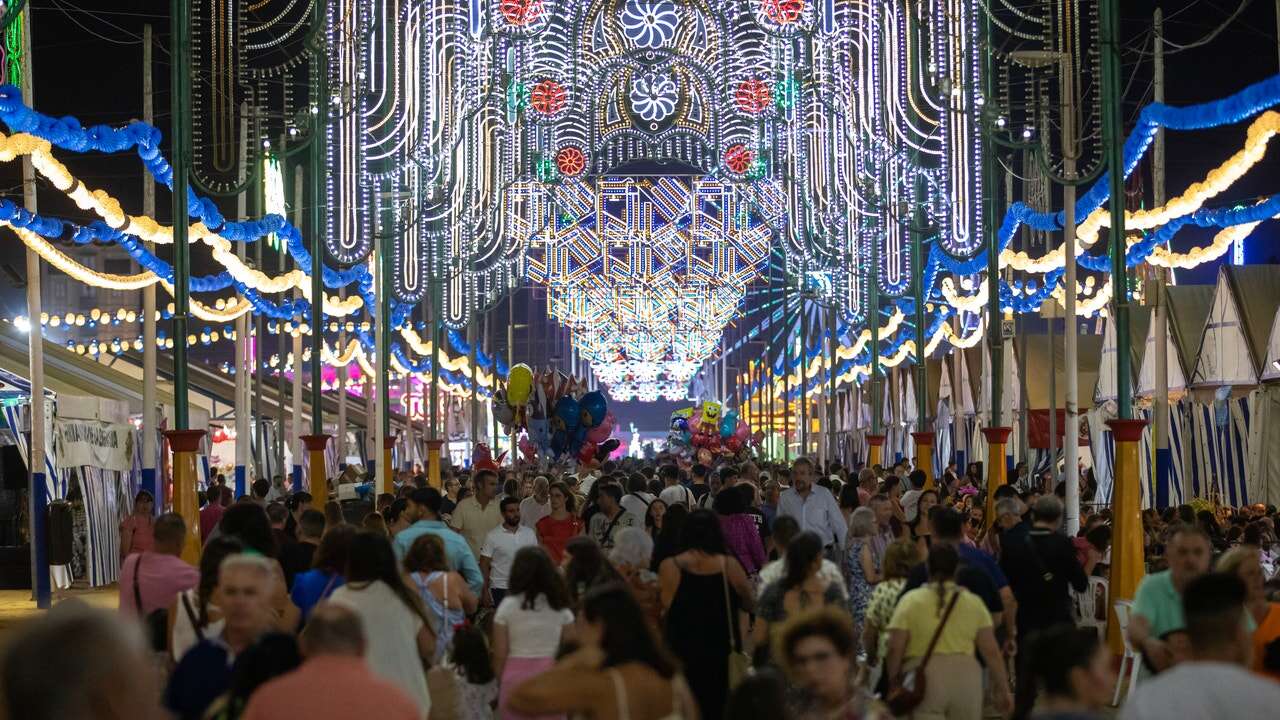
<point>943,561</point>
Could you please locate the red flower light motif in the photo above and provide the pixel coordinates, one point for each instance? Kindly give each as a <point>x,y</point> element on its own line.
<point>783,12</point>
<point>548,97</point>
<point>571,161</point>
<point>521,12</point>
<point>739,158</point>
<point>753,96</point>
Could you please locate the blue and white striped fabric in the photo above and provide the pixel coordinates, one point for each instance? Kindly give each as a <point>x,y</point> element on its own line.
<point>55,484</point>
<point>106,502</point>
<point>1220,435</point>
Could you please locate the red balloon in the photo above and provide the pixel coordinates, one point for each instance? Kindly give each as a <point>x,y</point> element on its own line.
<point>586,453</point>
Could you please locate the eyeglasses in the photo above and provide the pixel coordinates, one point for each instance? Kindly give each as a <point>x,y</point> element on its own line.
<point>975,521</point>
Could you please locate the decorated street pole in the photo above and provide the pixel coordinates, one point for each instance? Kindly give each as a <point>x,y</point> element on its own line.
<point>149,375</point>
<point>996,433</point>
<point>922,437</point>
<point>317,441</point>
<point>1127,563</point>
<point>433,431</point>
<point>385,441</point>
<point>37,498</point>
<point>183,440</point>
<point>875,440</point>
<point>241,393</point>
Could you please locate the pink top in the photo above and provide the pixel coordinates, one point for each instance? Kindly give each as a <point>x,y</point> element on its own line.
<point>163,577</point>
<point>210,514</point>
<point>140,527</point>
<point>743,540</point>
<point>330,687</point>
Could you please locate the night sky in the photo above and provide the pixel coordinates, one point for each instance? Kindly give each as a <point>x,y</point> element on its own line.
<point>88,63</point>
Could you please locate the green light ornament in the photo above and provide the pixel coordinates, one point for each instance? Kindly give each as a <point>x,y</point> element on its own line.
<point>784,92</point>
<point>517,96</point>
<point>546,170</point>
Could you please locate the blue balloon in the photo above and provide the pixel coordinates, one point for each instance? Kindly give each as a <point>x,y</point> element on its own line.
<point>559,442</point>
<point>540,433</point>
<point>593,406</point>
<point>728,423</point>
<point>682,424</point>
<point>567,411</point>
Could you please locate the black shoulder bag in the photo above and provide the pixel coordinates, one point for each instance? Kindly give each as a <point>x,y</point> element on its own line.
<point>154,623</point>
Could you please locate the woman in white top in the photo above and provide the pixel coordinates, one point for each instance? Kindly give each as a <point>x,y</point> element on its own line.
<point>619,673</point>
<point>398,636</point>
<point>529,623</point>
<point>193,615</point>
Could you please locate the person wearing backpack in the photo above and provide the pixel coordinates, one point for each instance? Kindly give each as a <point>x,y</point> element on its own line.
<point>1042,570</point>
<point>150,580</point>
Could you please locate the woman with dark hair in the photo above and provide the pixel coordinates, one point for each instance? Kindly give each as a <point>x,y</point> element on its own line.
<point>586,566</point>
<point>561,524</point>
<point>619,670</point>
<point>961,623</point>
<point>802,587</point>
<point>326,573</point>
<point>920,527</point>
<point>667,541</point>
<point>654,516</point>
<point>193,615</point>
<point>763,696</point>
<point>741,536</point>
<point>445,593</point>
<point>136,530</point>
<point>398,636</point>
<point>1072,673</point>
<point>703,589</point>
<point>529,623</point>
<point>248,523</point>
<point>849,500</point>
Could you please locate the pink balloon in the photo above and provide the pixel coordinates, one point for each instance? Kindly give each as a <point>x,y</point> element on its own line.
<point>742,432</point>
<point>601,432</point>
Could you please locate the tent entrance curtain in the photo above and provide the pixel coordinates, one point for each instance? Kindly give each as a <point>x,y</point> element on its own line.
<point>1264,446</point>
<point>107,500</point>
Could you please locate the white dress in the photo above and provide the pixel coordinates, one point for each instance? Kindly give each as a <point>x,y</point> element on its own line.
<point>391,635</point>
<point>184,630</point>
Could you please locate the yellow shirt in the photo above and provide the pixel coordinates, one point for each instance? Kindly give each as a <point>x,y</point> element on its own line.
<point>474,523</point>
<point>918,613</point>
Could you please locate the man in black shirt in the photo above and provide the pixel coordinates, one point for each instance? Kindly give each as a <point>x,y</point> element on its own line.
<point>296,556</point>
<point>1042,569</point>
<point>946,524</point>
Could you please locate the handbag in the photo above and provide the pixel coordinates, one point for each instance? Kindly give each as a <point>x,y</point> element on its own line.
<point>739,662</point>
<point>908,692</point>
<point>156,622</point>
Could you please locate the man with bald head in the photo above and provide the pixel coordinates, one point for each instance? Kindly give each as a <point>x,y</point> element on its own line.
<point>334,681</point>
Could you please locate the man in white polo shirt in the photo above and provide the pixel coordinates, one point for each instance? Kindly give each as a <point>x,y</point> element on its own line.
<point>499,551</point>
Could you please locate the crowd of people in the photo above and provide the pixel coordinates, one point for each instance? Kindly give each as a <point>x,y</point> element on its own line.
<point>646,590</point>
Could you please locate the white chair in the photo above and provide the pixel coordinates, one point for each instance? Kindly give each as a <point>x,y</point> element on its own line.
<point>1090,605</point>
<point>1131,656</point>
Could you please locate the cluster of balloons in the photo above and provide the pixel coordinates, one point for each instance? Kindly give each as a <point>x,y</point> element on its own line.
<point>559,415</point>
<point>706,430</point>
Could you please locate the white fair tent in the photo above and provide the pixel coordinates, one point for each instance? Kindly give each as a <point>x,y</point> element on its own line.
<point>1234,340</point>
<point>1188,309</point>
<point>1139,324</point>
